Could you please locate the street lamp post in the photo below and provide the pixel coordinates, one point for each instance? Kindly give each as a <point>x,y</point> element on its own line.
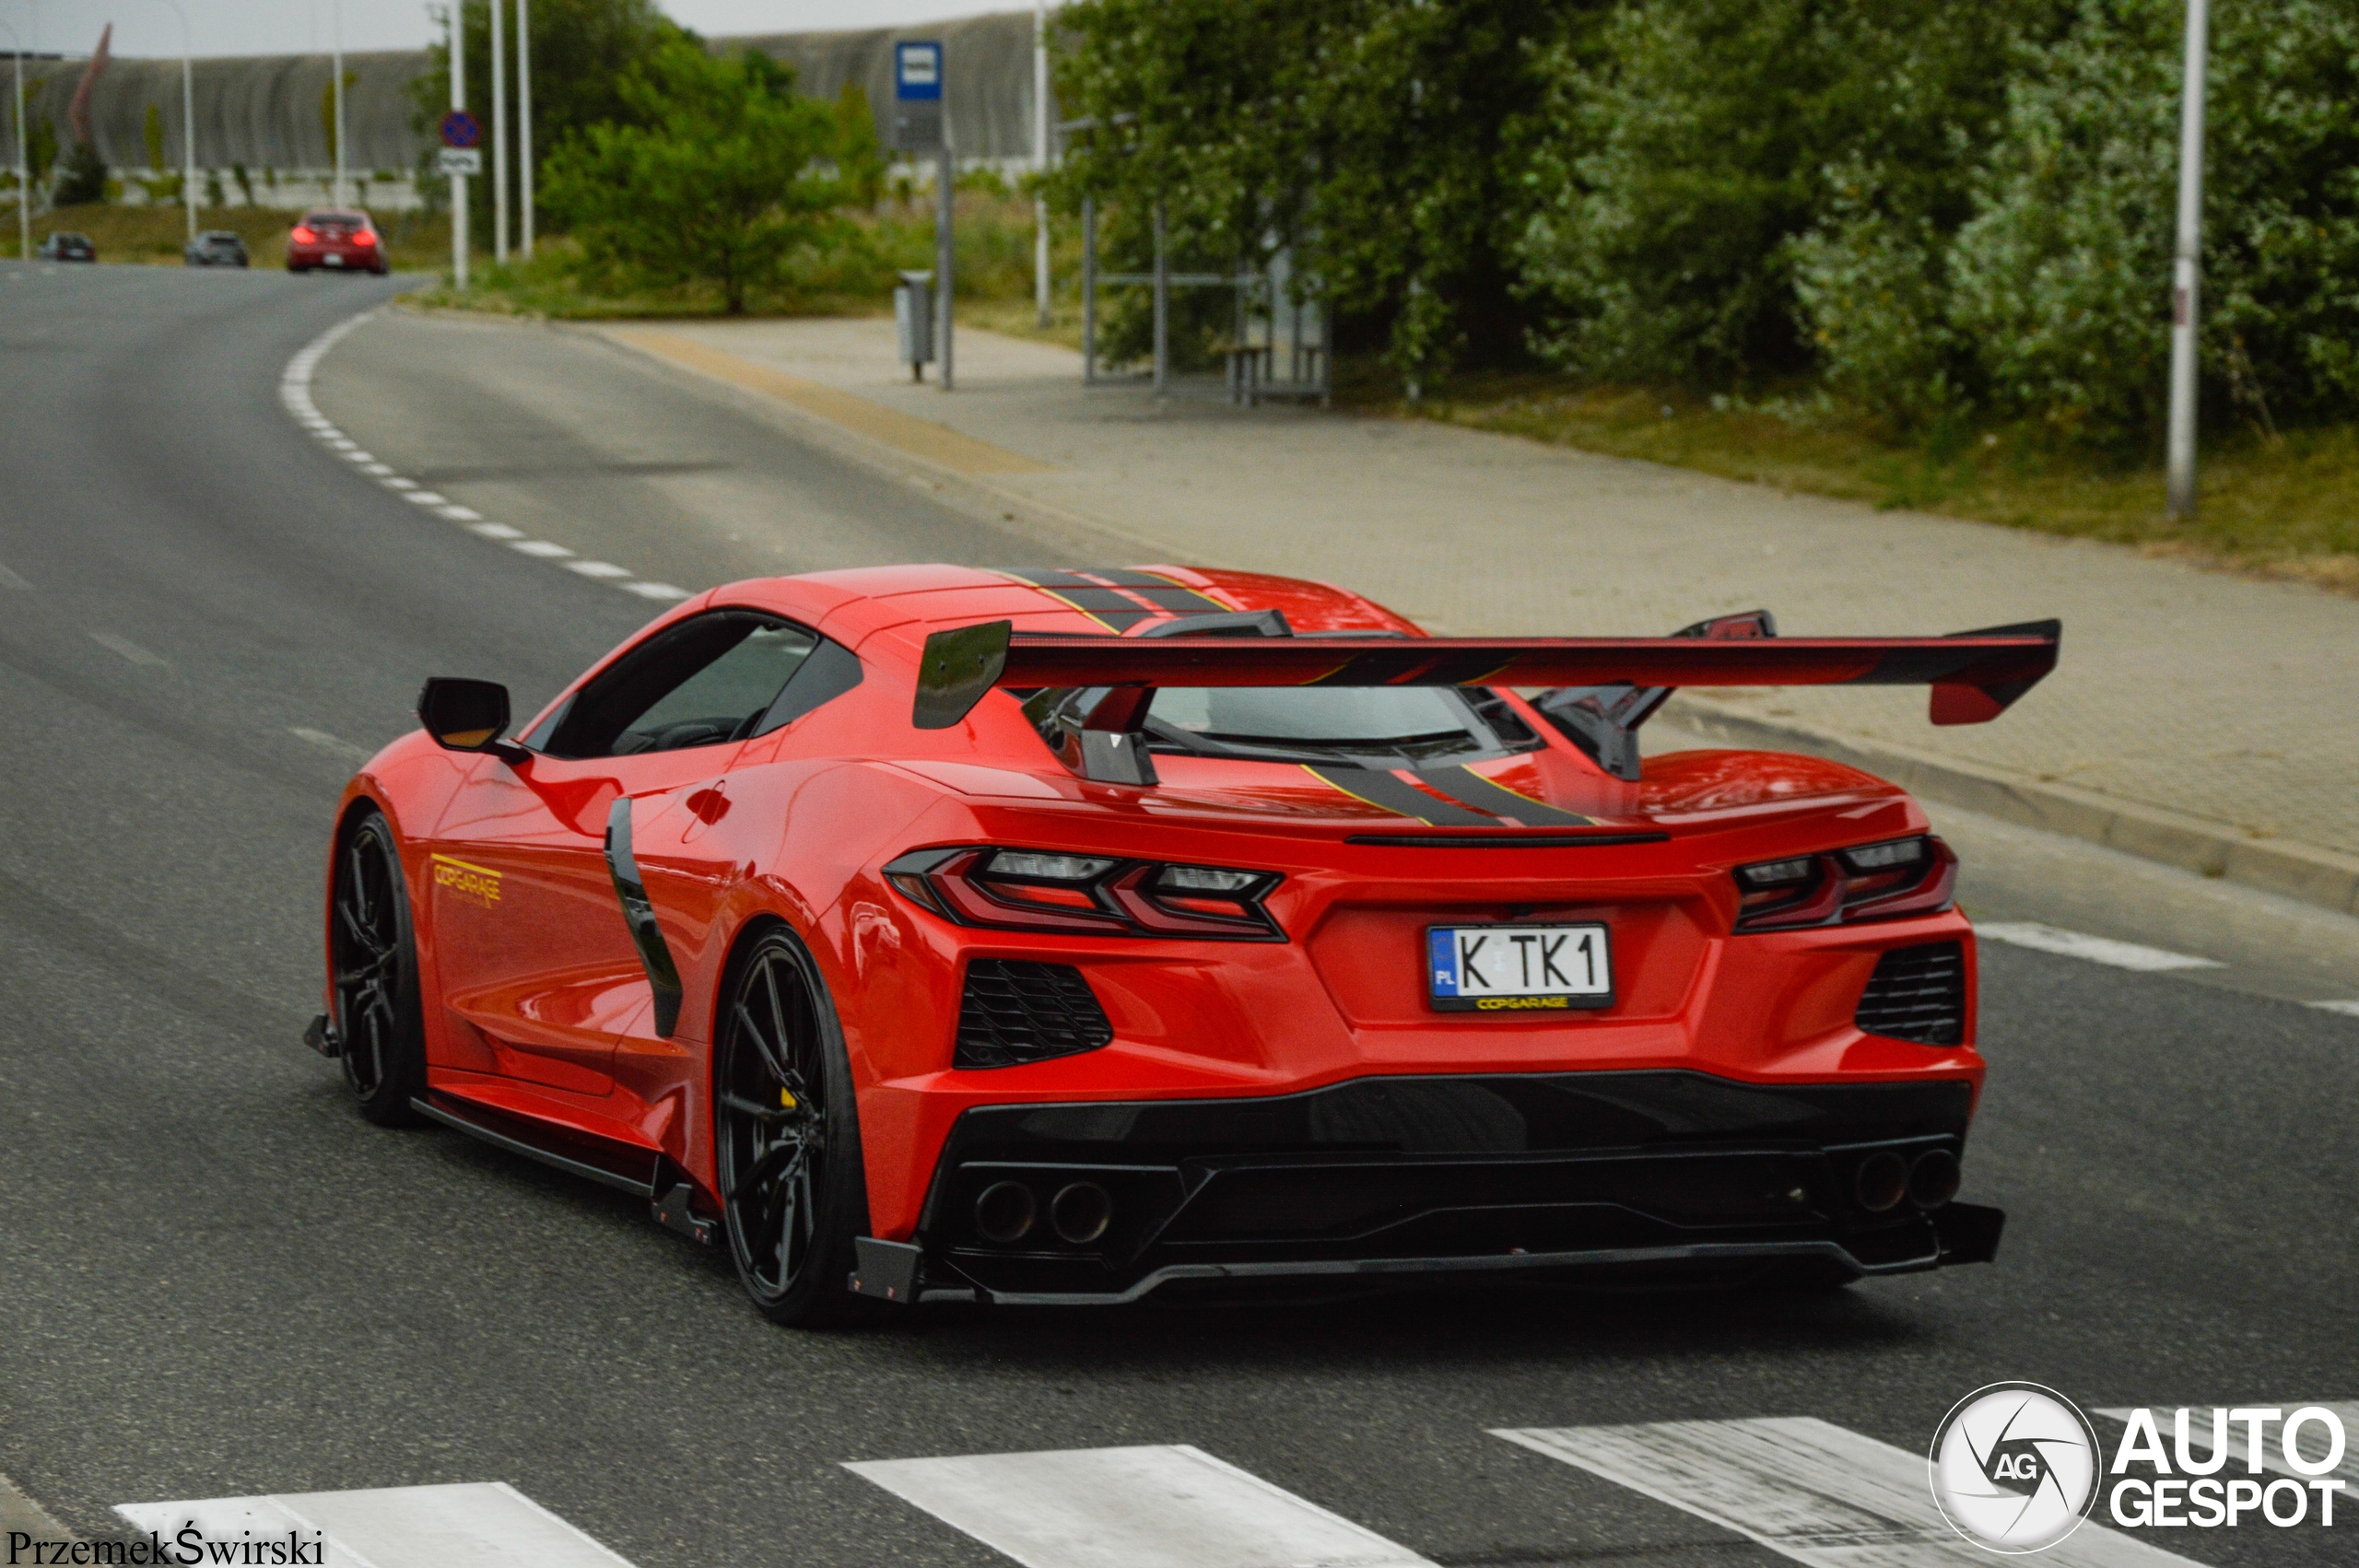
<point>1040,157</point>
<point>188,123</point>
<point>2186,269</point>
<point>524,128</point>
<point>498,140</point>
<point>336,58</point>
<point>24,177</point>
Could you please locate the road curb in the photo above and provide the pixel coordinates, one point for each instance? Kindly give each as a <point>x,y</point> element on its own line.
<point>2288,868</point>
<point>1056,528</point>
<point>22,1514</point>
<point>2308,873</point>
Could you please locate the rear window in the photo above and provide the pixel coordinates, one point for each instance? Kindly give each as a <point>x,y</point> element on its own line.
<point>1387,725</point>
<point>348,219</point>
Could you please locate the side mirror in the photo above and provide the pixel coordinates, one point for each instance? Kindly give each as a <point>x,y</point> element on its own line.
<point>462,715</point>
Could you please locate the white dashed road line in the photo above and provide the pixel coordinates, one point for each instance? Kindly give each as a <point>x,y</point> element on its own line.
<point>1809,1490</point>
<point>294,394</point>
<point>129,650</point>
<point>11,579</point>
<point>2095,949</point>
<point>484,1524</point>
<point>1158,1507</point>
<point>334,745</point>
<point>2348,1009</point>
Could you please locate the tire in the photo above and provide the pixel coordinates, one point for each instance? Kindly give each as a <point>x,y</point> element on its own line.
<point>372,956</point>
<point>793,1192</point>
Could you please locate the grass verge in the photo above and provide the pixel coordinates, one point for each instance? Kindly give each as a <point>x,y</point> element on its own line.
<point>2285,507</point>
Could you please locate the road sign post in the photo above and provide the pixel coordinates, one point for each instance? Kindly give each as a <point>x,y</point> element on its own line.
<point>460,156</point>
<point>917,126</point>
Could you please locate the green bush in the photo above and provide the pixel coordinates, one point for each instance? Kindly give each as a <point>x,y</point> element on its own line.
<point>1691,148</point>
<point>718,180</point>
<point>2063,277</point>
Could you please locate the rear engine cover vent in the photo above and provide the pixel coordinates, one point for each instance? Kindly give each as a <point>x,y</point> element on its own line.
<point>1015,1011</point>
<point>1919,994</point>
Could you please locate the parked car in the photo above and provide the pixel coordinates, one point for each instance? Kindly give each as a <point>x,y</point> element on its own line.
<point>216,248</point>
<point>64,247</point>
<point>342,239</point>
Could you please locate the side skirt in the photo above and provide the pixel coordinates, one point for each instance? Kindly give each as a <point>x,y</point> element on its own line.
<point>644,1173</point>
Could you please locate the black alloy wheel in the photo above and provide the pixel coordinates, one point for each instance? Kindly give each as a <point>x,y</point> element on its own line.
<point>787,1138</point>
<point>373,957</point>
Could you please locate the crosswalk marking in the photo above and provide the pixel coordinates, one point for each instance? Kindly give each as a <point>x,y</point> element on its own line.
<point>2311,1441</point>
<point>482,1525</point>
<point>1148,1507</point>
<point>1808,1489</point>
<point>2095,949</point>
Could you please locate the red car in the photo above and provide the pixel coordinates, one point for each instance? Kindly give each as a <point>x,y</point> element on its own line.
<point>338,239</point>
<point>931,932</point>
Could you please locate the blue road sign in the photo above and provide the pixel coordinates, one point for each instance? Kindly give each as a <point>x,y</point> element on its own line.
<point>461,129</point>
<point>917,71</point>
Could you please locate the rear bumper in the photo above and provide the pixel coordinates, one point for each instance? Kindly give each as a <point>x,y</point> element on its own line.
<point>1385,1182</point>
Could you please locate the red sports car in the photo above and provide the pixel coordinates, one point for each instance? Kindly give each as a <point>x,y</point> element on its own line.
<point>337,240</point>
<point>931,934</point>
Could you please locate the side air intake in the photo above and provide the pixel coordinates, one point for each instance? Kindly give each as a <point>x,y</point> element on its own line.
<point>1015,1011</point>
<point>1917,994</point>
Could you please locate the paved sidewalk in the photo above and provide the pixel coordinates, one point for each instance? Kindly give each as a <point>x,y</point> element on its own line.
<point>2200,718</point>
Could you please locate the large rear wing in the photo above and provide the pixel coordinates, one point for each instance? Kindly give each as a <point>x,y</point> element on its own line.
<point>1975,675</point>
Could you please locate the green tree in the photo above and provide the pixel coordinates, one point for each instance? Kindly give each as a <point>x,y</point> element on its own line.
<point>2062,278</point>
<point>41,146</point>
<point>715,176</point>
<point>859,157</point>
<point>1384,140</point>
<point>583,53</point>
<point>83,177</point>
<point>1696,140</point>
<point>163,186</point>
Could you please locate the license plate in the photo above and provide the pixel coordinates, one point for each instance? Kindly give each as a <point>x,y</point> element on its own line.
<point>1518,968</point>
<point>331,259</point>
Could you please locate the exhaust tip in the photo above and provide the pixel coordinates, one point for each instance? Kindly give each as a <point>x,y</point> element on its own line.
<point>1933,1180</point>
<point>1005,1212</point>
<point>1080,1213</point>
<point>1882,1182</point>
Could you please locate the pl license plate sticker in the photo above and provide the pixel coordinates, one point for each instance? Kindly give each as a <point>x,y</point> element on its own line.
<point>1518,968</point>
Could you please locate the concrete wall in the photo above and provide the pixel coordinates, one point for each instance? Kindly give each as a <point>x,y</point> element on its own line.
<point>263,110</point>
<point>988,95</point>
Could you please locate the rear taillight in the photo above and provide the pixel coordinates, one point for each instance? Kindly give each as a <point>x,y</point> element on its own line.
<point>302,235</point>
<point>1868,882</point>
<point>1039,890</point>
<point>364,238</point>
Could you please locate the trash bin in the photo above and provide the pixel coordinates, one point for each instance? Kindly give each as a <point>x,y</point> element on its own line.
<point>913,316</point>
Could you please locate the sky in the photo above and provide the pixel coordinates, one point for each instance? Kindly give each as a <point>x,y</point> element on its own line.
<point>281,27</point>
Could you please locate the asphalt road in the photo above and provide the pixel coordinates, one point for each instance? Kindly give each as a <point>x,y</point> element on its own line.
<point>215,1279</point>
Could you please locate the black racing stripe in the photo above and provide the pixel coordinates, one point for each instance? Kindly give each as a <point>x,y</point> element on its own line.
<point>1379,788</point>
<point>1470,788</point>
<point>1164,593</point>
<point>1115,611</point>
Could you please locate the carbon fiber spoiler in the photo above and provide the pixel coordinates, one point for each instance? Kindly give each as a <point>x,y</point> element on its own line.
<point>1976,675</point>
